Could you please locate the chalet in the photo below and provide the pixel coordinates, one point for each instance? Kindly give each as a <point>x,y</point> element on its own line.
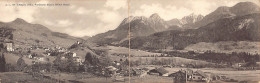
<point>145,69</point>
<point>159,71</point>
<point>29,56</point>
<point>183,74</point>
<point>137,72</point>
<point>189,75</point>
<point>199,76</point>
<point>219,77</point>
<point>112,70</point>
<point>77,60</point>
<point>74,54</point>
<point>63,58</point>
<point>9,47</point>
<point>41,60</point>
<point>71,54</point>
<point>237,65</point>
<point>62,49</point>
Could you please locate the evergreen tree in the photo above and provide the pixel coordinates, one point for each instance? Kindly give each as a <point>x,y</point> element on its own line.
<point>88,59</point>
<point>21,64</point>
<point>3,62</point>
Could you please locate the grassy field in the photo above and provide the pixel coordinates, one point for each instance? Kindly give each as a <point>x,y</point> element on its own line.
<point>252,75</point>
<point>175,60</point>
<point>226,47</point>
<point>138,53</point>
<point>19,77</point>
<point>13,77</point>
<point>12,59</point>
<point>124,50</point>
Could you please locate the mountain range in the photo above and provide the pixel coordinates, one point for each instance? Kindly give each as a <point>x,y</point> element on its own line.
<point>143,26</point>
<point>239,28</point>
<point>240,9</point>
<point>186,22</point>
<point>237,23</point>
<point>140,26</point>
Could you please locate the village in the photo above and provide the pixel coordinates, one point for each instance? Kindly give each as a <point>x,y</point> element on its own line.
<point>48,62</point>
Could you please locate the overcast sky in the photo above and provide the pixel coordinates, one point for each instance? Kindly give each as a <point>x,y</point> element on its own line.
<point>90,17</point>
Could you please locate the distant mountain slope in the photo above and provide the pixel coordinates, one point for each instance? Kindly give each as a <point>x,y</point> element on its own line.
<point>140,26</point>
<point>26,34</point>
<point>240,9</point>
<point>85,37</point>
<point>186,22</point>
<point>239,28</point>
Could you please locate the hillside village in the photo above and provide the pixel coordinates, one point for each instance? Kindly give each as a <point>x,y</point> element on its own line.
<point>46,61</point>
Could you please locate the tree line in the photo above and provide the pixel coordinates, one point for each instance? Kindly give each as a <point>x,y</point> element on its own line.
<point>2,63</point>
<point>220,58</point>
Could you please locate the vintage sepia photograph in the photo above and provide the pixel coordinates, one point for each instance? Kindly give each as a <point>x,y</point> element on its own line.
<point>129,41</point>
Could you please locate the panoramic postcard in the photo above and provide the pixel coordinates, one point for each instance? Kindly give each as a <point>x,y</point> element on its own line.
<point>129,41</point>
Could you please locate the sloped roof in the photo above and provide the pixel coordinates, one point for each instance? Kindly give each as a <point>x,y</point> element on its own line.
<point>202,73</point>
<point>189,71</point>
<point>146,69</point>
<point>162,70</point>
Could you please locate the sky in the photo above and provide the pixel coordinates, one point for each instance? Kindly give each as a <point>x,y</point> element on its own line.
<point>90,17</point>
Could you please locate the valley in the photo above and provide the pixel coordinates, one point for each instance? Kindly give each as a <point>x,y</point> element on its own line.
<point>220,47</point>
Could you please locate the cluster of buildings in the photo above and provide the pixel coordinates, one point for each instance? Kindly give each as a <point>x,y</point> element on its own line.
<point>184,75</point>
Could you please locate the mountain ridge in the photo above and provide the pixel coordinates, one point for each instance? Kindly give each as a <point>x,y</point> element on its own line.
<point>240,9</point>
<point>239,28</point>
<point>26,34</point>
<point>140,26</point>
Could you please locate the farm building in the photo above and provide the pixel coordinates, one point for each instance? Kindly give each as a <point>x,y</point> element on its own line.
<point>183,74</point>
<point>189,75</point>
<point>159,71</point>
<point>199,76</point>
<point>9,46</point>
<point>77,60</point>
<point>41,60</point>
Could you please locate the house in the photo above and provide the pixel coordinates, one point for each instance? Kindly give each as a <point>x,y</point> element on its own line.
<point>199,76</point>
<point>74,54</point>
<point>41,60</point>
<point>145,69</point>
<point>9,47</point>
<point>220,77</point>
<point>183,75</point>
<point>237,65</point>
<point>189,75</point>
<point>63,58</point>
<point>179,77</point>
<point>112,70</point>
<point>29,56</point>
<point>137,71</point>
<point>77,60</point>
<point>159,71</point>
<point>71,54</point>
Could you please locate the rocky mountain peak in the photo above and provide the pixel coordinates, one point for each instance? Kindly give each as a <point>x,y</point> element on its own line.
<point>155,16</point>
<point>19,20</point>
<point>132,18</point>
<point>245,4</point>
<point>244,8</point>
<point>222,9</point>
<point>192,18</point>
